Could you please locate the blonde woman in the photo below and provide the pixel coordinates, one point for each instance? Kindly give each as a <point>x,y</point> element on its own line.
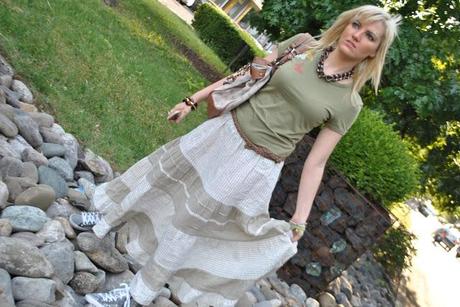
<point>197,208</point>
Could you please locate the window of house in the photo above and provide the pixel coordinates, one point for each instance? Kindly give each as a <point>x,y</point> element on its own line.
<point>237,8</point>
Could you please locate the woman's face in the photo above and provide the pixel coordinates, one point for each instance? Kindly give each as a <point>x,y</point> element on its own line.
<point>361,40</point>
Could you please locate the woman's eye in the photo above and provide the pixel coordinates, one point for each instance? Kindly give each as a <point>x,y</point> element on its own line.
<point>370,37</point>
<point>356,24</point>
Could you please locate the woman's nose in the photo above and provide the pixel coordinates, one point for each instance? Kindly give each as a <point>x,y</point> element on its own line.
<point>356,36</point>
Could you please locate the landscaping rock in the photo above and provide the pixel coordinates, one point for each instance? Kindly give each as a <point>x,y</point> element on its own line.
<point>102,252</point>
<point>61,208</point>
<point>52,231</point>
<point>29,237</point>
<point>4,195</point>
<point>42,119</point>
<point>25,218</point>
<point>88,187</point>
<point>50,136</point>
<point>6,293</point>
<point>23,259</point>
<point>6,80</point>
<point>327,300</point>
<point>88,176</point>
<point>50,150</point>
<point>17,185</point>
<point>7,127</point>
<point>30,171</point>
<point>5,228</point>
<point>97,166</point>
<point>62,167</point>
<point>72,148</point>
<point>49,176</point>
<point>28,128</point>
<point>27,107</point>
<point>6,150</point>
<point>83,264</point>
<point>61,256</point>
<point>37,289</point>
<point>68,230</point>
<point>78,199</point>
<point>31,155</point>
<point>24,93</point>
<point>84,282</point>
<point>19,144</point>
<point>5,68</point>
<point>41,196</point>
<point>11,167</point>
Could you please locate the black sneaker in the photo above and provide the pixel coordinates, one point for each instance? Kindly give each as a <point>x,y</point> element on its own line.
<point>85,220</point>
<point>114,298</point>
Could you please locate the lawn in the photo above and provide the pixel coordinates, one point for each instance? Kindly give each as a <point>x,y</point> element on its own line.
<point>108,75</point>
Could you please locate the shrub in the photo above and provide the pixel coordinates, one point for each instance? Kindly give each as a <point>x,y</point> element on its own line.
<point>219,32</point>
<point>395,250</point>
<point>376,160</point>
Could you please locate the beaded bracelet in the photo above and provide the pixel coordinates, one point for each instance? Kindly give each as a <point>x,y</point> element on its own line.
<point>190,102</point>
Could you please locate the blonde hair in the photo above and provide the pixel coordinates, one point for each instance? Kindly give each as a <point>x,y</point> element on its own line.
<point>370,68</point>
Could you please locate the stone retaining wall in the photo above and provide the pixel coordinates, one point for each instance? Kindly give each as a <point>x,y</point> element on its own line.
<point>342,224</point>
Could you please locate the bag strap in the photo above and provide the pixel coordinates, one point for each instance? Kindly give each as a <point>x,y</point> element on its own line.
<point>301,45</point>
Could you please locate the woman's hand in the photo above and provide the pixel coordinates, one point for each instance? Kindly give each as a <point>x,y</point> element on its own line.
<point>296,236</point>
<point>178,113</point>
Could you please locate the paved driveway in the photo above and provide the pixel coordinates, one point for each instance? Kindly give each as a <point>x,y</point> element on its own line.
<point>434,278</point>
<point>180,10</point>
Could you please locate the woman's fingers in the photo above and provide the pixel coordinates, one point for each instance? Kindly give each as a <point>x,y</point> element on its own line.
<point>178,113</point>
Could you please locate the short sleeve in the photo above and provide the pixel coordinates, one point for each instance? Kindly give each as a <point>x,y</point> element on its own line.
<point>342,121</point>
<point>282,46</point>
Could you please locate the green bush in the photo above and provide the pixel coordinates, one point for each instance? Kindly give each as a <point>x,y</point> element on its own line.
<point>395,250</point>
<point>219,32</point>
<point>376,160</point>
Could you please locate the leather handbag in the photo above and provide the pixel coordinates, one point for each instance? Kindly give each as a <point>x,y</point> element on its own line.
<point>249,79</point>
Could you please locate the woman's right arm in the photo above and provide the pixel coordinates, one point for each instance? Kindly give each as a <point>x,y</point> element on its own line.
<point>204,93</point>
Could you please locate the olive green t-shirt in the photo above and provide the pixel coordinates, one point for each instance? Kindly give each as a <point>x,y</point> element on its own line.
<point>294,102</point>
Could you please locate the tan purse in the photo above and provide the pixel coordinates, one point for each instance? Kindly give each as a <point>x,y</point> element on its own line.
<point>249,79</point>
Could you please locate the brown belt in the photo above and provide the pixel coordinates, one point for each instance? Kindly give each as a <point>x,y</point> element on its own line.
<point>264,152</point>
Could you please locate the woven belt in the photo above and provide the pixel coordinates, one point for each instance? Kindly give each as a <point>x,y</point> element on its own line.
<point>264,152</point>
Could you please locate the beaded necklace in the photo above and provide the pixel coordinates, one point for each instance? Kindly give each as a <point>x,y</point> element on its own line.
<point>334,77</point>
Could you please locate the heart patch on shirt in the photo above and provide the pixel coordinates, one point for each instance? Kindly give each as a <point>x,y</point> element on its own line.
<point>298,68</point>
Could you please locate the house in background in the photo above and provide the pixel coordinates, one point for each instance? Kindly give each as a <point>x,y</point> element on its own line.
<point>238,11</point>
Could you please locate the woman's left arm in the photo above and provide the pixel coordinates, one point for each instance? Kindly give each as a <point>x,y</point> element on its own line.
<point>312,173</point>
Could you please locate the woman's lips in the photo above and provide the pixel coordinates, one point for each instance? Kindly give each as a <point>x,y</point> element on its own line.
<point>350,44</point>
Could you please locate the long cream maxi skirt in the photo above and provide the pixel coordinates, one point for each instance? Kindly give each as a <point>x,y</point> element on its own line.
<point>197,213</point>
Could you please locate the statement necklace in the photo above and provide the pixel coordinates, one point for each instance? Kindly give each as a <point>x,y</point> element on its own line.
<point>334,77</point>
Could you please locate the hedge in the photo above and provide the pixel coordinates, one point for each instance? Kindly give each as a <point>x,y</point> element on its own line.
<point>376,160</point>
<point>220,33</point>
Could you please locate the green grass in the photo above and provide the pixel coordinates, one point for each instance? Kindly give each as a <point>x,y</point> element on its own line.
<point>109,76</point>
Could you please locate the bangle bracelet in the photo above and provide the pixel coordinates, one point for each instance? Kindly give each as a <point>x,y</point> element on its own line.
<point>298,228</point>
<point>190,102</point>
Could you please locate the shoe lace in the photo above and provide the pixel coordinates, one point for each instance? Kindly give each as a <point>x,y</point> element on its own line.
<point>118,293</point>
<point>90,218</point>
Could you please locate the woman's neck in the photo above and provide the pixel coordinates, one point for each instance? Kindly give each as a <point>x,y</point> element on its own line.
<point>337,63</point>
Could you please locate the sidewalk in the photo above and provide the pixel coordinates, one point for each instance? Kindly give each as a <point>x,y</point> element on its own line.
<point>180,10</point>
